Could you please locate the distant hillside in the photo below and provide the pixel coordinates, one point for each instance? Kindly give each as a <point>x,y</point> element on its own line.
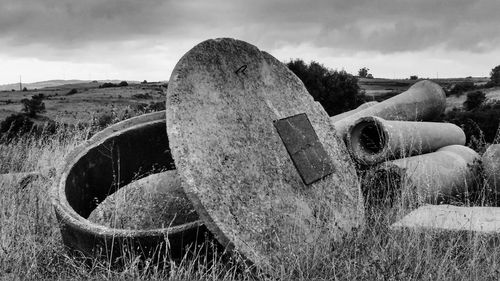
<point>50,83</point>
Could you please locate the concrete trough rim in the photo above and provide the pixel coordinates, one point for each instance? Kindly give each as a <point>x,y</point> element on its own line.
<point>68,217</point>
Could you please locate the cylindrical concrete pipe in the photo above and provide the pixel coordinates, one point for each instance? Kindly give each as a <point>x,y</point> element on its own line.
<point>491,167</point>
<point>343,115</point>
<point>373,140</point>
<point>111,159</point>
<point>424,101</point>
<point>446,174</point>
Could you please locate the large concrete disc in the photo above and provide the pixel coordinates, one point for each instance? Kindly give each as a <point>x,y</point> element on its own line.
<point>223,97</point>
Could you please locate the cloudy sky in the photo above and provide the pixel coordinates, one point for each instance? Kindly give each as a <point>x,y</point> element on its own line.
<point>137,40</point>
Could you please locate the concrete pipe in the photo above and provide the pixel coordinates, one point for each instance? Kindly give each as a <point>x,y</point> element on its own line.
<point>491,167</point>
<point>372,140</point>
<point>446,174</point>
<point>343,115</point>
<point>110,160</point>
<point>424,101</point>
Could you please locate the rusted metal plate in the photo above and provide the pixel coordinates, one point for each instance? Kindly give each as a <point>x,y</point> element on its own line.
<point>302,143</point>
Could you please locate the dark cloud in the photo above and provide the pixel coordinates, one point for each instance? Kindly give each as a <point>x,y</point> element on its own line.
<point>357,25</point>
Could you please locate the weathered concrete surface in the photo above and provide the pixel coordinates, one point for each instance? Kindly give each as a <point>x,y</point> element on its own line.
<point>442,175</point>
<point>372,140</point>
<point>481,220</point>
<point>491,166</point>
<point>343,115</point>
<point>423,101</point>
<point>110,160</point>
<point>156,201</point>
<point>235,168</point>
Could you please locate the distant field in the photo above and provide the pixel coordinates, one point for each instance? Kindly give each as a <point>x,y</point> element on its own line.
<point>89,100</point>
<point>381,89</point>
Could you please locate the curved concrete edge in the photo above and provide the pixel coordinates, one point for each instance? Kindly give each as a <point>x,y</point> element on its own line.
<point>346,114</point>
<point>433,177</point>
<point>372,140</point>
<point>423,101</point>
<point>92,239</point>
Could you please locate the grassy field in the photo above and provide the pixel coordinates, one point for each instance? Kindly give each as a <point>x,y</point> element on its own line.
<point>31,246</point>
<point>88,102</point>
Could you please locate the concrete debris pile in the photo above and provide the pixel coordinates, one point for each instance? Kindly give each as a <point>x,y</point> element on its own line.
<point>397,147</point>
<point>482,221</point>
<point>244,156</point>
<point>398,151</point>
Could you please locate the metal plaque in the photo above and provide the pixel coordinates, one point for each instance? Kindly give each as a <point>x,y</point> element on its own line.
<point>307,153</point>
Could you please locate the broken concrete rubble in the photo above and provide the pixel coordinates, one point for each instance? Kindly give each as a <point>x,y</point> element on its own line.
<point>373,140</point>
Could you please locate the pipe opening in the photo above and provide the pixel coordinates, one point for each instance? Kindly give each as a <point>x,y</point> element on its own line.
<point>372,138</point>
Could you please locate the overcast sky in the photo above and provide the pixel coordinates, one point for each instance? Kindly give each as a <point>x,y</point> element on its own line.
<point>137,40</point>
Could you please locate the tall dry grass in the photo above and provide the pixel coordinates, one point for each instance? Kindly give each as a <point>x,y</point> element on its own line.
<point>31,247</point>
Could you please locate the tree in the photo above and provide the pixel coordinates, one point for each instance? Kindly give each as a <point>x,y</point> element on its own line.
<point>336,91</point>
<point>363,72</point>
<point>474,100</point>
<point>123,84</point>
<point>495,76</point>
<point>34,105</point>
<point>413,77</point>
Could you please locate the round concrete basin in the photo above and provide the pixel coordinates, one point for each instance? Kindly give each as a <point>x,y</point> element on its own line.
<point>113,158</point>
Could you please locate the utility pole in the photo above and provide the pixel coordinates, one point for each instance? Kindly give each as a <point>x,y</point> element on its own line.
<point>20,84</point>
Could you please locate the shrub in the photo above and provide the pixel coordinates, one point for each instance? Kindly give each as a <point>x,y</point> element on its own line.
<point>363,72</point>
<point>414,77</point>
<point>105,120</point>
<point>25,89</point>
<point>461,87</point>
<point>474,100</point>
<point>72,92</point>
<point>107,85</point>
<point>480,124</point>
<point>15,125</point>
<point>34,105</point>
<point>495,76</point>
<point>337,91</point>
<point>142,96</point>
<point>123,84</point>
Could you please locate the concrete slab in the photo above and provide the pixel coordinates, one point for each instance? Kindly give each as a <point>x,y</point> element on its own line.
<point>481,220</point>
<point>222,100</point>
